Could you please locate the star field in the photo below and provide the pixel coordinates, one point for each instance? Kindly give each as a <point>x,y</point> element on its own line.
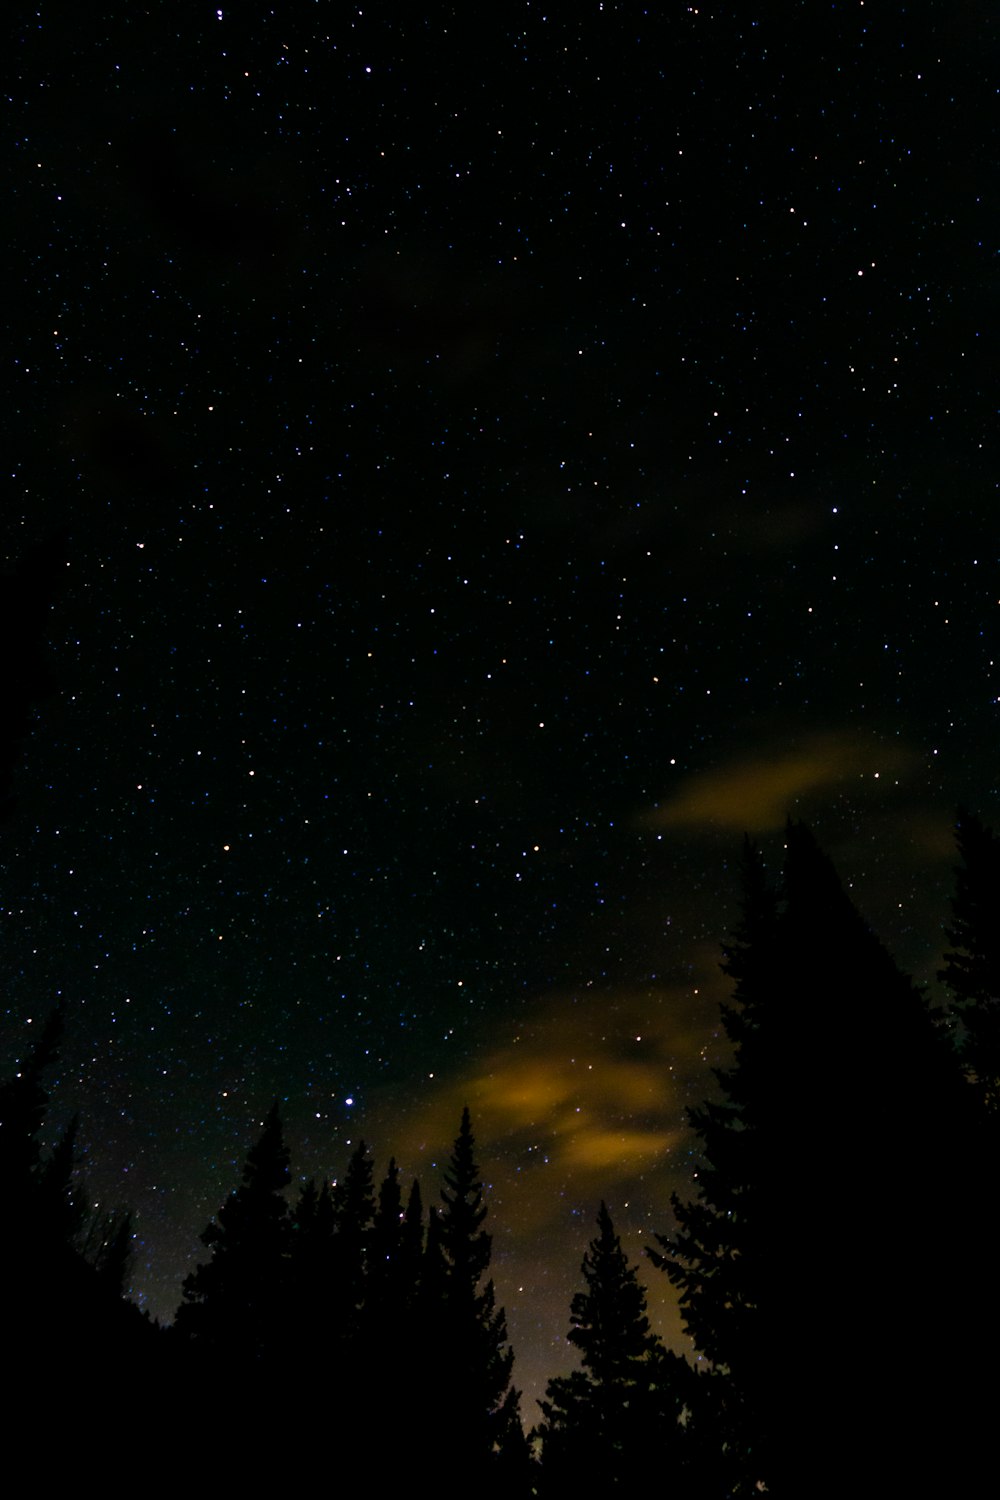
<point>498,459</point>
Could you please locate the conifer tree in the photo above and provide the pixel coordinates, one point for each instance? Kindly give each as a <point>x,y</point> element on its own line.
<point>36,1246</point>
<point>390,1359</point>
<point>62,1210</point>
<point>312,1296</point>
<point>411,1245</point>
<point>472,1360</point>
<point>234,1303</point>
<point>44,1207</point>
<point>972,969</point>
<point>24,1101</point>
<point>972,973</point>
<point>841,1108</point>
<point>354,1211</point>
<point>388,1217</point>
<point>65,1311</point>
<point>609,1423</point>
<point>109,1248</point>
<point>313,1225</point>
<point>390,1285</point>
<point>433,1269</point>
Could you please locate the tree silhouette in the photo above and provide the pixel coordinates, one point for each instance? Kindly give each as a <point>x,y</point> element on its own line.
<point>842,1106</point>
<point>44,1207</point>
<point>108,1247</point>
<point>311,1332</point>
<point>393,1265</point>
<point>715,1257</point>
<point>471,1359</point>
<point>610,1423</point>
<point>234,1303</point>
<point>24,1102</point>
<point>411,1245</point>
<point>36,1246</point>
<point>972,969</point>
<point>972,973</point>
<point>65,1311</point>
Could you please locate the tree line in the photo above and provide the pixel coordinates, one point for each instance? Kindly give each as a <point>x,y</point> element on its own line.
<point>833,1259</point>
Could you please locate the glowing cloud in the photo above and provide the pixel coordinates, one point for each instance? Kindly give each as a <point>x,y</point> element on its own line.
<point>756,794</point>
<point>594,1085</point>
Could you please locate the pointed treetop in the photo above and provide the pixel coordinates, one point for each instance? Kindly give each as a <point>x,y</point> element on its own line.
<point>234,1300</point>
<point>609,1322</point>
<point>466,1243</point>
<point>471,1332</point>
<point>267,1166</point>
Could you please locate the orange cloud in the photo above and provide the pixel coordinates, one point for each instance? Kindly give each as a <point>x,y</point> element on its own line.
<point>757,794</point>
<point>598,1149</point>
<point>590,1091</point>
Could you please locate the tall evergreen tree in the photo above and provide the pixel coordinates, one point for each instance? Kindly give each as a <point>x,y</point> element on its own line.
<point>611,1423</point>
<point>716,1257</point>
<point>390,1359</point>
<point>473,1362</point>
<point>24,1102</point>
<point>354,1209</point>
<point>44,1209</point>
<point>972,973</point>
<point>313,1224</point>
<point>840,1112</point>
<point>62,1210</point>
<point>312,1296</point>
<point>65,1311</point>
<point>391,1282</point>
<point>388,1218</point>
<point>433,1267</point>
<point>108,1247</point>
<point>972,968</point>
<point>35,1247</point>
<point>411,1245</point>
<point>234,1303</point>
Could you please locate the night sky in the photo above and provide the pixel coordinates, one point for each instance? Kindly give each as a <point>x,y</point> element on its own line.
<point>498,457</point>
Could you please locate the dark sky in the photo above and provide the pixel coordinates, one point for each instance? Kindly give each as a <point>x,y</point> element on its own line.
<point>499,455</point>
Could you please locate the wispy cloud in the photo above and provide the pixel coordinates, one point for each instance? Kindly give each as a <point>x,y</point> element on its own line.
<point>588,1093</point>
<point>758,792</point>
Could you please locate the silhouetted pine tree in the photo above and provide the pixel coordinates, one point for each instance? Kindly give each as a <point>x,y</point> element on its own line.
<point>313,1224</point>
<point>352,1360</point>
<point>234,1304</point>
<point>35,1246</point>
<point>391,1281</point>
<point>432,1292</point>
<point>433,1269</point>
<point>972,969</point>
<point>63,1212</point>
<point>972,973</point>
<point>108,1247</point>
<point>24,1101</point>
<point>389,1376</point>
<point>312,1328</point>
<point>841,1112</point>
<point>64,1310</point>
<point>411,1246</point>
<point>43,1209</point>
<point>471,1360</point>
<point>311,1231</point>
<point>610,1424</point>
<point>354,1212</point>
